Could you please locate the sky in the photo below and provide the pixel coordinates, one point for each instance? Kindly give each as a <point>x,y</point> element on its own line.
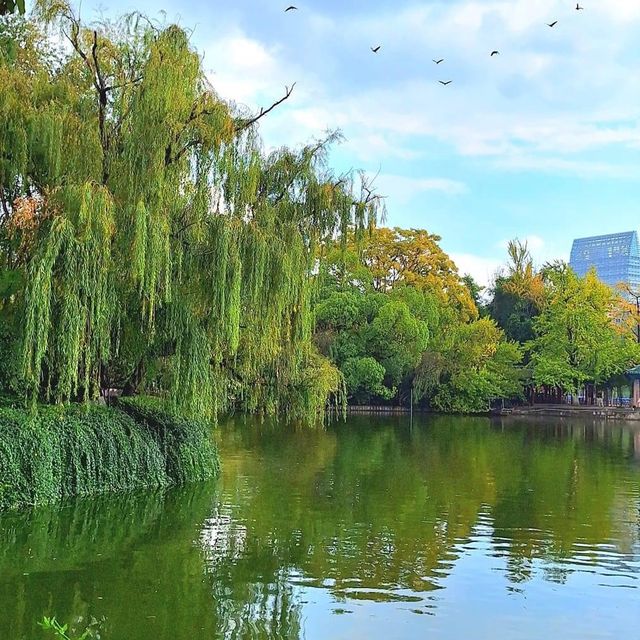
<point>541,142</point>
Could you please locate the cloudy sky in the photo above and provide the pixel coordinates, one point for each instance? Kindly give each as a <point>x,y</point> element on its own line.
<point>541,142</point>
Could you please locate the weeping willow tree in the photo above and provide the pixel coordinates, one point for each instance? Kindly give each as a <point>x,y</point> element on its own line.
<point>160,246</point>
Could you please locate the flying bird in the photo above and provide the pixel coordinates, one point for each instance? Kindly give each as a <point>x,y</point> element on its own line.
<point>495,53</point>
<point>376,49</point>
<point>579,8</point>
<point>291,8</point>
<point>439,61</point>
<point>445,83</point>
<point>553,24</point>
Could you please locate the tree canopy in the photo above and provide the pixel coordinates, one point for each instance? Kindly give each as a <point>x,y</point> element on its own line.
<point>392,257</point>
<point>395,316</point>
<point>573,330</point>
<point>146,238</point>
<point>577,339</point>
<point>518,294</point>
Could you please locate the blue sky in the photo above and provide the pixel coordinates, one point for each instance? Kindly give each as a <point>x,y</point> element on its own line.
<point>541,142</point>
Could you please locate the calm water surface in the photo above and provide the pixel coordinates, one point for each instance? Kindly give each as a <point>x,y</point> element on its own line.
<point>452,528</point>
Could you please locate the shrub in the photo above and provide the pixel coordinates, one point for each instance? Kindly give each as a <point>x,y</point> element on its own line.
<point>59,452</point>
<point>364,379</point>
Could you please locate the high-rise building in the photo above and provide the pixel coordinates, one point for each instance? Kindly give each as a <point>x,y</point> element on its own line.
<point>616,258</point>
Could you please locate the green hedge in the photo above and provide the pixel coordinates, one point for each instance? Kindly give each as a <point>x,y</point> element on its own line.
<point>78,450</point>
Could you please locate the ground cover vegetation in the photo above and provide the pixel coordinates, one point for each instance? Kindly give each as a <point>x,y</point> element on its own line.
<point>59,452</point>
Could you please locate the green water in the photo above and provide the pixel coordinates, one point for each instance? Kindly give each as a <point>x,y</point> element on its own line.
<point>453,528</point>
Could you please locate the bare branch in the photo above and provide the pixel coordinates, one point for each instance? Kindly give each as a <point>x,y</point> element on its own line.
<point>94,55</point>
<point>73,39</point>
<point>243,124</point>
<point>343,179</point>
<point>171,159</point>
<point>122,85</point>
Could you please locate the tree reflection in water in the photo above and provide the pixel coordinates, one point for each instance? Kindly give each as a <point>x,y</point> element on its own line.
<point>366,512</point>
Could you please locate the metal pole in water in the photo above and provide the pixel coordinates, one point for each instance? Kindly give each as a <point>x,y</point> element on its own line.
<point>411,407</point>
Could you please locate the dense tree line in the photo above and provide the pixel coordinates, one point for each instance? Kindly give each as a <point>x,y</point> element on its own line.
<point>400,322</point>
<point>574,330</point>
<point>149,243</point>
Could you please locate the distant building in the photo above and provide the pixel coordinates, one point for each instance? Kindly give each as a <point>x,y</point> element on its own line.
<point>616,258</point>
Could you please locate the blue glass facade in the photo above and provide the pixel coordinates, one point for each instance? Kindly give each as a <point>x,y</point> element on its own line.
<point>616,258</point>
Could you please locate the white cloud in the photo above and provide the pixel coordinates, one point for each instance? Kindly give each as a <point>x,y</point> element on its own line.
<point>482,269</point>
<point>403,189</point>
<point>552,94</point>
<point>623,11</point>
<point>534,242</point>
<point>242,69</point>
<point>562,166</point>
<point>548,91</point>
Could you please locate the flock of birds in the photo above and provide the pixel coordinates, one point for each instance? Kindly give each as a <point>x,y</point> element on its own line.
<point>495,52</point>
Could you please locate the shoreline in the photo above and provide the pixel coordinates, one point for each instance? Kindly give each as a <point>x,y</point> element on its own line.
<point>617,414</point>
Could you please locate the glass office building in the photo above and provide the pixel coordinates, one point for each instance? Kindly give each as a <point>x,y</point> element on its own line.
<point>616,258</point>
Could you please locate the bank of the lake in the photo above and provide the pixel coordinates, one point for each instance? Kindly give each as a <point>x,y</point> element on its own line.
<point>51,454</point>
<point>577,412</point>
<point>617,414</point>
<point>447,527</point>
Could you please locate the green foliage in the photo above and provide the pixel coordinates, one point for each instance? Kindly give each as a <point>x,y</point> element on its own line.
<point>576,337</point>
<point>186,444</point>
<point>341,311</point>
<point>397,338</point>
<point>11,6</point>
<point>518,294</point>
<point>364,379</point>
<point>62,631</point>
<point>10,379</point>
<point>161,248</point>
<point>513,314</point>
<point>474,288</point>
<point>574,330</point>
<point>472,366</point>
<point>400,321</point>
<point>60,452</point>
<point>11,282</point>
<point>376,339</point>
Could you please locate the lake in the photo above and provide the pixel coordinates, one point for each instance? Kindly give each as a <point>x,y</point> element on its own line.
<point>446,528</point>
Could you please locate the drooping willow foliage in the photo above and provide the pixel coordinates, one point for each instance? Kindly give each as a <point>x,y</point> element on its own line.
<point>160,246</point>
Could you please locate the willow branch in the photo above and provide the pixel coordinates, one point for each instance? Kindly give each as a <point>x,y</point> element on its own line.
<point>73,39</point>
<point>244,124</point>
<point>122,85</point>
